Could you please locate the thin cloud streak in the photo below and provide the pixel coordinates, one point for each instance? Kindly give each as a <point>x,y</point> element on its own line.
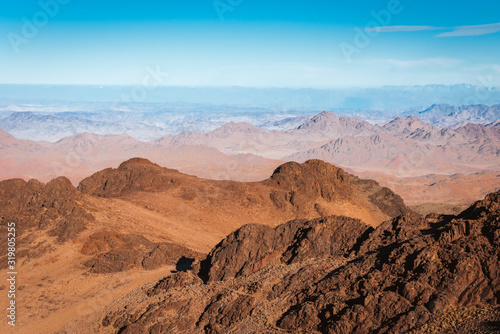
<point>460,31</point>
<point>476,30</point>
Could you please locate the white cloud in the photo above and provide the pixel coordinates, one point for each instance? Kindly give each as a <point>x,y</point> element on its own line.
<point>475,30</point>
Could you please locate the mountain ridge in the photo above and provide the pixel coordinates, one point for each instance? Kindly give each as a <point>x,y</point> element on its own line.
<point>410,274</point>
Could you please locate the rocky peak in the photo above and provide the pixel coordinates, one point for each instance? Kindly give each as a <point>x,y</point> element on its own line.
<point>476,131</point>
<point>317,169</point>
<point>489,206</point>
<point>407,126</point>
<point>133,175</point>
<point>321,121</point>
<point>137,163</point>
<point>316,179</point>
<point>236,128</point>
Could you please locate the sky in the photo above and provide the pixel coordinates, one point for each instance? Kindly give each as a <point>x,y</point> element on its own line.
<point>250,43</point>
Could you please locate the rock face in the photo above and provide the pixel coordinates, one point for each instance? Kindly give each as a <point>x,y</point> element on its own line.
<point>52,208</point>
<point>114,252</point>
<point>252,247</point>
<point>300,184</point>
<point>336,275</point>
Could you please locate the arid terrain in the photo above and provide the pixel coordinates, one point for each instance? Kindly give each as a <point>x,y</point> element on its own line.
<point>311,249</point>
<point>108,242</point>
<point>141,218</point>
<point>334,275</point>
<point>424,164</point>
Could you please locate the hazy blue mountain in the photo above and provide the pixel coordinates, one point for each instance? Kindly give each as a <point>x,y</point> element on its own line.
<point>53,120</point>
<point>447,116</point>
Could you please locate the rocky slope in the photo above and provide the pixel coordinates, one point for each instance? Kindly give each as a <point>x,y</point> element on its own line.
<point>52,214</point>
<point>54,208</point>
<point>308,190</point>
<point>79,249</point>
<point>437,274</point>
<point>58,212</point>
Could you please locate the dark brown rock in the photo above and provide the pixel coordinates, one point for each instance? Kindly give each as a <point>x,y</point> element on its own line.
<point>311,189</point>
<point>410,274</point>
<point>252,247</point>
<point>54,208</point>
<point>131,176</point>
<point>114,252</point>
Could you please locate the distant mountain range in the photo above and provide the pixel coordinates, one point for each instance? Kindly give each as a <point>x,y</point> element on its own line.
<point>78,155</point>
<point>406,147</point>
<point>403,147</point>
<point>148,122</point>
<point>446,116</point>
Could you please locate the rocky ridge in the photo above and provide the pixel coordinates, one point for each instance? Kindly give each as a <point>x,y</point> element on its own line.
<point>436,274</point>
<point>311,189</point>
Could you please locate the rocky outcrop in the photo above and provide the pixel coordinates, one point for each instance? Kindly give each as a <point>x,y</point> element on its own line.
<point>252,247</point>
<point>337,275</point>
<point>131,176</point>
<point>40,210</point>
<point>115,252</point>
<point>305,186</point>
<point>53,208</point>
<point>182,279</point>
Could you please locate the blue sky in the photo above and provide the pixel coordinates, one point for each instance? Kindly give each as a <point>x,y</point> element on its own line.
<point>320,44</point>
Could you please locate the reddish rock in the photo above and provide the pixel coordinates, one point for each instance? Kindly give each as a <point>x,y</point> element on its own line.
<point>336,275</point>
<point>54,208</point>
<point>252,247</point>
<point>114,252</point>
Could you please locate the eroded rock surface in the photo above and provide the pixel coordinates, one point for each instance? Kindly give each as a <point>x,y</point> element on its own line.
<point>336,275</point>
<point>38,210</point>
<point>114,252</point>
